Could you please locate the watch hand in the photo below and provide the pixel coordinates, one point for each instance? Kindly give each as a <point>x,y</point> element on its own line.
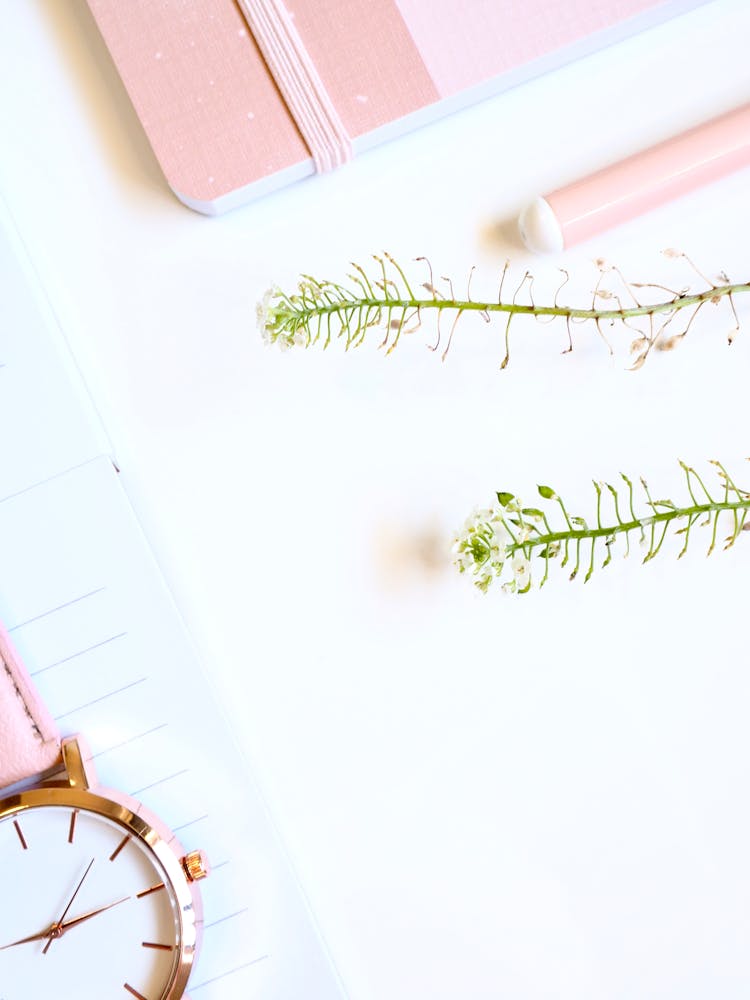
<point>58,929</point>
<point>55,931</point>
<point>32,937</point>
<point>67,924</point>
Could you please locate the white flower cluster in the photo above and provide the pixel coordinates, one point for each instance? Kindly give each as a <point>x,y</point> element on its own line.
<point>485,545</point>
<point>271,315</point>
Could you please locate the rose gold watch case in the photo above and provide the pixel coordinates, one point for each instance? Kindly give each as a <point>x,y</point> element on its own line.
<point>76,788</point>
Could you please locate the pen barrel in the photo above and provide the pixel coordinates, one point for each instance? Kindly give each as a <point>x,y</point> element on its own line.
<point>640,183</point>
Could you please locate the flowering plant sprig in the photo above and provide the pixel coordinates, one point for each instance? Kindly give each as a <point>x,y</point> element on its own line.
<point>500,542</point>
<point>322,311</point>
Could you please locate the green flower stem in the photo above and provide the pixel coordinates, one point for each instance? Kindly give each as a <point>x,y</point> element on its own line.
<point>304,314</point>
<point>665,517</point>
<point>321,311</point>
<point>499,542</point>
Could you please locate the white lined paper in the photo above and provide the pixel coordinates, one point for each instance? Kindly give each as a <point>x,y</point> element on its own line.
<point>88,610</point>
<point>48,421</point>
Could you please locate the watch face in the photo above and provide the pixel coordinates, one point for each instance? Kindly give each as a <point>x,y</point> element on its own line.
<point>91,908</point>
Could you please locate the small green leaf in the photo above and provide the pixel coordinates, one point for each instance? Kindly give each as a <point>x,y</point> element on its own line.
<point>504,499</point>
<point>531,512</point>
<point>546,492</point>
<point>549,551</point>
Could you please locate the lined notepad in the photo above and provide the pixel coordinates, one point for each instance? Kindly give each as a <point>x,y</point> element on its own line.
<point>88,610</point>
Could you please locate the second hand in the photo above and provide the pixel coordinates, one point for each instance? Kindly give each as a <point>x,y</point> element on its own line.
<point>56,928</point>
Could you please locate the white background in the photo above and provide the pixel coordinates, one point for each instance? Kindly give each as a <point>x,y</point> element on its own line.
<point>483,797</point>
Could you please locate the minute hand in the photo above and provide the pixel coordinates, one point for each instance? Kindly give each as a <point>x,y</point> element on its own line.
<point>32,937</point>
<point>61,928</point>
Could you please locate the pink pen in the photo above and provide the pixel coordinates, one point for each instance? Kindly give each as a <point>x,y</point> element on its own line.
<point>635,185</point>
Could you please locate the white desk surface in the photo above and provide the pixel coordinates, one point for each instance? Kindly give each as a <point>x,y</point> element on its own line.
<point>483,797</point>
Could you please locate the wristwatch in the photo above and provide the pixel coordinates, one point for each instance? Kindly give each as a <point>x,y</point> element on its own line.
<point>98,900</point>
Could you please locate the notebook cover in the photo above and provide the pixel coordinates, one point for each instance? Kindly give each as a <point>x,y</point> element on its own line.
<point>219,126</point>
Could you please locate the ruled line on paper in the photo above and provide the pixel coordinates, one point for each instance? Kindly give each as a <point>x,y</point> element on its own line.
<point>229,916</point>
<point>48,479</point>
<point>59,607</point>
<point>161,781</point>
<point>130,739</point>
<point>81,652</point>
<point>192,822</point>
<point>229,972</point>
<point>104,697</point>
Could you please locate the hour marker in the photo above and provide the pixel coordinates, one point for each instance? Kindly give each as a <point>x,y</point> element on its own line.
<point>119,847</point>
<point>72,830</point>
<point>159,947</point>
<point>20,835</point>
<point>133,992</point>
<point>147,892</point>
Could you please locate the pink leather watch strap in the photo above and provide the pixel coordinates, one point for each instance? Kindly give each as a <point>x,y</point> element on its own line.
<point>29,738</point>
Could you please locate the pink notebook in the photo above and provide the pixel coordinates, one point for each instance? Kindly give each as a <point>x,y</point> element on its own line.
<point>213,94</point>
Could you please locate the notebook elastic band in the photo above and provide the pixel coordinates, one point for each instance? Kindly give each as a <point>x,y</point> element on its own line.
<point>296,77</point>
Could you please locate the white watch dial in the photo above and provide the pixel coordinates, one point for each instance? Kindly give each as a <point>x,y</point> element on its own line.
<point>87,910</point>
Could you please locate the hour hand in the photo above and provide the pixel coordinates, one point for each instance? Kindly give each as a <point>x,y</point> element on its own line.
<point>67,924</point>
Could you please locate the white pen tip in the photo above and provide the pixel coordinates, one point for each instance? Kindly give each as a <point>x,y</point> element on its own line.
<point>539,229</point>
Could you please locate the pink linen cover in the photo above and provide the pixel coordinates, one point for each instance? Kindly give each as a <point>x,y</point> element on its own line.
<point>217,122</point>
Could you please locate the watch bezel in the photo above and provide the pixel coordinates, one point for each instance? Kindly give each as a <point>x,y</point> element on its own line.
<point>133,817</point>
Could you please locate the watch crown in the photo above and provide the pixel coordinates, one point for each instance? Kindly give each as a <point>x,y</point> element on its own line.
<point>196,866</point>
